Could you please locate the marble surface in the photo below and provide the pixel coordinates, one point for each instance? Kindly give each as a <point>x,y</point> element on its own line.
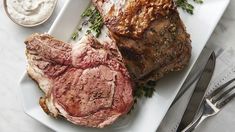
<point>12,65</point>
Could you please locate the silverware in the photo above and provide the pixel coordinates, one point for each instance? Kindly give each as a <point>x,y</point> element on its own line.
<point>194,74</point>
<point>198,93</point>
<point>212,104</point>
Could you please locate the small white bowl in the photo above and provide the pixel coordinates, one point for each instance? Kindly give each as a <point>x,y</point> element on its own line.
<point>28,25</point>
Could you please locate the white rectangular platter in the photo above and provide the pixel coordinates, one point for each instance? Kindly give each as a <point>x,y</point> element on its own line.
<point>149,113</point>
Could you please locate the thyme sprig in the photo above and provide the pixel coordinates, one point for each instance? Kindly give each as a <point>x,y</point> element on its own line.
<point>95,20</point>
<point>92,18</point>
<point>198,1</point>
<point>74,35</point>
<point>185,5</point>
<point>145,90</point>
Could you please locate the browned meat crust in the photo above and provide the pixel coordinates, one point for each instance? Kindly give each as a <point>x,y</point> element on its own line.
<point>132,17</point>
<point>150,36</point>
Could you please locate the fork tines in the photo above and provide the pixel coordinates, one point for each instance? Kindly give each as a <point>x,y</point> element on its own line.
<point>219,97</point>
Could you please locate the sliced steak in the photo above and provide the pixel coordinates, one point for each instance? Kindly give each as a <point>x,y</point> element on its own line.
<point>150,36</point>
<point>86,83</point>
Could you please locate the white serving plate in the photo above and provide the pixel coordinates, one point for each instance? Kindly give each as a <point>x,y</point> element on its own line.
<point>149,112</point>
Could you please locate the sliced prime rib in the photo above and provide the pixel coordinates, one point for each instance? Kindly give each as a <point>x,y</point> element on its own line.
<point>87,83</point>
<point>150,36</point>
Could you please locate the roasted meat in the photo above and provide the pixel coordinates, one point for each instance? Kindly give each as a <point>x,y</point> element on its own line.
<point>150,36</point>
<point>87,83</point>
<point>90,83</point>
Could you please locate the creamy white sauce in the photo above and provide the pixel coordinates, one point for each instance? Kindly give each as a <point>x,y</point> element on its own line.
<point>30,12</point>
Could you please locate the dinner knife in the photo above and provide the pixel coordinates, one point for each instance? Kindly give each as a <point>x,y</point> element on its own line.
<point>198,93</point>
<point>194,73</point>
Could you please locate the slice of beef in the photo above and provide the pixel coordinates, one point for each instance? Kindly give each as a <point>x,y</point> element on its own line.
<point>150,36</point>
<point>87,83</point>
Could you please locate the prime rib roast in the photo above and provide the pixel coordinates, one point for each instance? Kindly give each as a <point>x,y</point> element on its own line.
<point>150,36</point>
<point>86,83</point>
<point>91,83</point>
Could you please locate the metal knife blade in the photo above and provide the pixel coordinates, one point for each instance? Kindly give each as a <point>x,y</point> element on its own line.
<point>198,93</point>
<point>194,73</point>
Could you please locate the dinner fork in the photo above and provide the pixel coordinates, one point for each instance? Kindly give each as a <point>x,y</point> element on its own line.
<point>212,104</point>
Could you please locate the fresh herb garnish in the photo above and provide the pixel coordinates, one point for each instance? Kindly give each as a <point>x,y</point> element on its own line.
<point>95,20</point>
<point>88,31</point>
<point>185,5</point>
<point>74,35</point>
<point>198,1</point>
<point>80,29</point>
<point>88,12</point>
<point>145,90</point>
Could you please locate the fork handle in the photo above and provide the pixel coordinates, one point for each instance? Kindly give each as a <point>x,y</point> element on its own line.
<point>194,124</point>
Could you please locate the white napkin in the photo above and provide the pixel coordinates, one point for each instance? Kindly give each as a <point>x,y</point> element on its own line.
<point>224,120</point>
